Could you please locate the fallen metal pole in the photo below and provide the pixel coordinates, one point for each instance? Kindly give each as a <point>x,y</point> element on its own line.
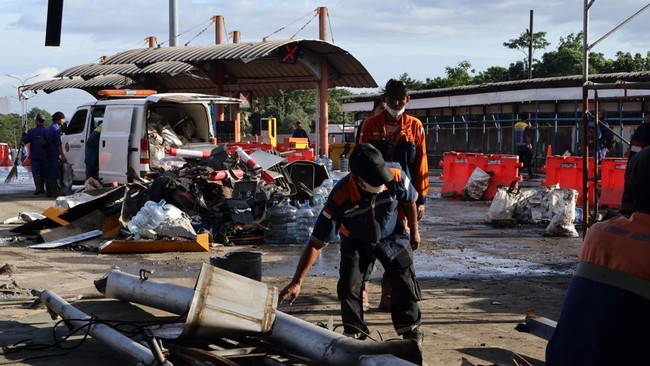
<point>296,335</point>
<point>103,333</point>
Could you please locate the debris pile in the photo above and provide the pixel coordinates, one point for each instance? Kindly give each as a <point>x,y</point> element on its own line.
<point>193,199</point>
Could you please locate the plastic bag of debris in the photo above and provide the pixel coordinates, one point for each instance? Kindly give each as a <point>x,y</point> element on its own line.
<point>503,206</point>
<point>476,185</point>
<point>70,201</point>
<point>523,213</point>
<point>561,205</point>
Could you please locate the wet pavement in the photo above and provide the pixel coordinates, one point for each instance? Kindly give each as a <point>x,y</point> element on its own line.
<point>456,242</point>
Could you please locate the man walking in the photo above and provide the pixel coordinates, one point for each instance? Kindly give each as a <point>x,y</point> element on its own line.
<point>363,208</point>
<point>401,139</point>
<point>35,137</point>
<point>55,154</point>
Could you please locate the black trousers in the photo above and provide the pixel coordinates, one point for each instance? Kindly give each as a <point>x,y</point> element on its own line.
<point>355,260</point>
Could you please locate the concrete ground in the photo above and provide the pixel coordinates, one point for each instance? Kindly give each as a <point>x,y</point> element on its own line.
<point>477,281</point>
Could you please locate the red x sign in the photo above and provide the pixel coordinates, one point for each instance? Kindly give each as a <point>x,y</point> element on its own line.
<point>289,53</point>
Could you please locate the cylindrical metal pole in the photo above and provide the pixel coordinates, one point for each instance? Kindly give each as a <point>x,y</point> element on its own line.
<point>173,23</point>
<point>531,36</point>
<point>101,332</point>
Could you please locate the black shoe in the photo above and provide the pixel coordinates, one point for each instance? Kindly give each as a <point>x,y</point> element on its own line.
<point>415,334</point>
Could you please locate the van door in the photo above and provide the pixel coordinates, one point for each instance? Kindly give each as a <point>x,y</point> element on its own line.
<point>74,143</point>
<point>114,143</point>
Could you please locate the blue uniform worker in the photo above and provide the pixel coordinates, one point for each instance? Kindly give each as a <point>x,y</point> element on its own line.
<point>35,137</point>
<point>55,154</point>
<point>368,209</point>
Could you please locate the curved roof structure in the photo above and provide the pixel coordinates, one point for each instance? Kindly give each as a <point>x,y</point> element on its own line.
<point>239,67</point>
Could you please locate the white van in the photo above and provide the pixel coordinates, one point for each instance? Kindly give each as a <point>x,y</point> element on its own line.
<point>135,131</point>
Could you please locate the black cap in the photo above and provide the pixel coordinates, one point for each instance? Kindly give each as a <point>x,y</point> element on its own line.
<point>395,88</point>
<point>366,162</point>
<point>637,176</point>
<point>57,116</point>
<point>40,118</point>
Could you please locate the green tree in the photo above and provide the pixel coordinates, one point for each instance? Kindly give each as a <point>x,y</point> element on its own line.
<point>10,128</point>
<point>521,44</point>
<point>493,74</point>
<point>411,84</point>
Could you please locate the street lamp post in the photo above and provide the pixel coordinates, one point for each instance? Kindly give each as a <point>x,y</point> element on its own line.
<point>21,96</point>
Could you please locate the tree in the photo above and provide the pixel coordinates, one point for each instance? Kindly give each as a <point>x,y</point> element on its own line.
<point>522,44</point>
<point>493,74</point>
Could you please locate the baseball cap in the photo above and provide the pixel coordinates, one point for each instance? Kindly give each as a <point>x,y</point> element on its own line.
<point>40,118</point>
<point>366,162</point>
<point>637,176</point>
<point>395,89</point>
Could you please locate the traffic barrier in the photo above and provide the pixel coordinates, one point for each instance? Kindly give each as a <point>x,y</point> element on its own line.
<point>503,170</point>
<point>306,154</point>
<point>567,172</point>
<point>5,155</point>
<point>612,180</point>
<point>28,161</point>
<point>456,170</point>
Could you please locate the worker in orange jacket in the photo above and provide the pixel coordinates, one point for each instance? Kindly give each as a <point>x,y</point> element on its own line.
<point>401,139</point>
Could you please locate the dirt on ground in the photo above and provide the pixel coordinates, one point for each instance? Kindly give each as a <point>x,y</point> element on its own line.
<point>477,281</point>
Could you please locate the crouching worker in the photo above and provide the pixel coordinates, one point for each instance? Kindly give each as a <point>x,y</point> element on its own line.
<point>367,208</point>
<point>603,318</point>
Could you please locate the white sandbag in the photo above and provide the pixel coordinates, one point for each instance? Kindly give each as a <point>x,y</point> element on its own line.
<point>503,205</point>
<point>523,213</point>
<point>476,185</point>
<point>563,208</point>
<point>68,202</point>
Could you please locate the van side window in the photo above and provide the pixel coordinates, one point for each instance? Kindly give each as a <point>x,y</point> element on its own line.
<point>77,123</point>
<point>98,117</point>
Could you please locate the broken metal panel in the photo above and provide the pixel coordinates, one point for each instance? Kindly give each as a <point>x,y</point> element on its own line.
<point>69,240</point>
<point>103,333</point>
<point>225,303</point>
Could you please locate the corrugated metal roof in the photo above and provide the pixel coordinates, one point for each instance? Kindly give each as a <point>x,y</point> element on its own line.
<point>540,83</point>
<point>91,85</point>
<point>253,67</point>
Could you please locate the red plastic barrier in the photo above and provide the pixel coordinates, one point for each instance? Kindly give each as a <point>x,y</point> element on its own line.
<point>5,156</point>
<point>504,171</point>
<point>306,154</point>
<point>612,180</point>
<point>456,169</point>
<point>28,161</point>
<point>567,172</point>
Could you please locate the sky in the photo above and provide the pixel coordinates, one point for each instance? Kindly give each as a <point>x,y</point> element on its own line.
<point>390,38</point>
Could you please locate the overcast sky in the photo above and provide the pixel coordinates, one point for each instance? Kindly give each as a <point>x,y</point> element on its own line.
<point>418,37</point>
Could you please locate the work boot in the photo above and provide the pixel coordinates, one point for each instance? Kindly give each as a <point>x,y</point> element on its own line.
<point>415,334</point>
<point>52,187</point>
<point>384,303</point>
<point>365,304</point>
<point>39,184</point>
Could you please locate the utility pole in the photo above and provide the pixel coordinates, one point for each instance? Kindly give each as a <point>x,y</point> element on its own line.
<point>530,47</point>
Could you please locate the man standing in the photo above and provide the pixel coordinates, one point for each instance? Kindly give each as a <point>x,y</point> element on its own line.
<point>55,154</point>
<point>401,139</point>
<point>35,137</point>
<point>363,208</point>
<point>602,320</point>
<point>640,139</point>
<point>300,132</point>
<point>524,143</point>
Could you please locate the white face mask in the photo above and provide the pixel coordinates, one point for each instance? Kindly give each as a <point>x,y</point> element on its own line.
<point>368,188</point>
<point>394,112</point>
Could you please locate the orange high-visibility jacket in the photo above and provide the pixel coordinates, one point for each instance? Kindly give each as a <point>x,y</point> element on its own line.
<point>373,131</point>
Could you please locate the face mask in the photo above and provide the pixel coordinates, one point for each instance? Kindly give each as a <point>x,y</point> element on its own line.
<point>368,188</point>
<point>394,112</point>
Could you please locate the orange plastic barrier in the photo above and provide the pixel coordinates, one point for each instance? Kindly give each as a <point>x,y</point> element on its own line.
<point>5,156</point>
<point>456,170</point>
<point>612,180</point>
<point>306,154</point>
<point>28,161</point>
<point>567,172</point>
<point>504,171</point>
